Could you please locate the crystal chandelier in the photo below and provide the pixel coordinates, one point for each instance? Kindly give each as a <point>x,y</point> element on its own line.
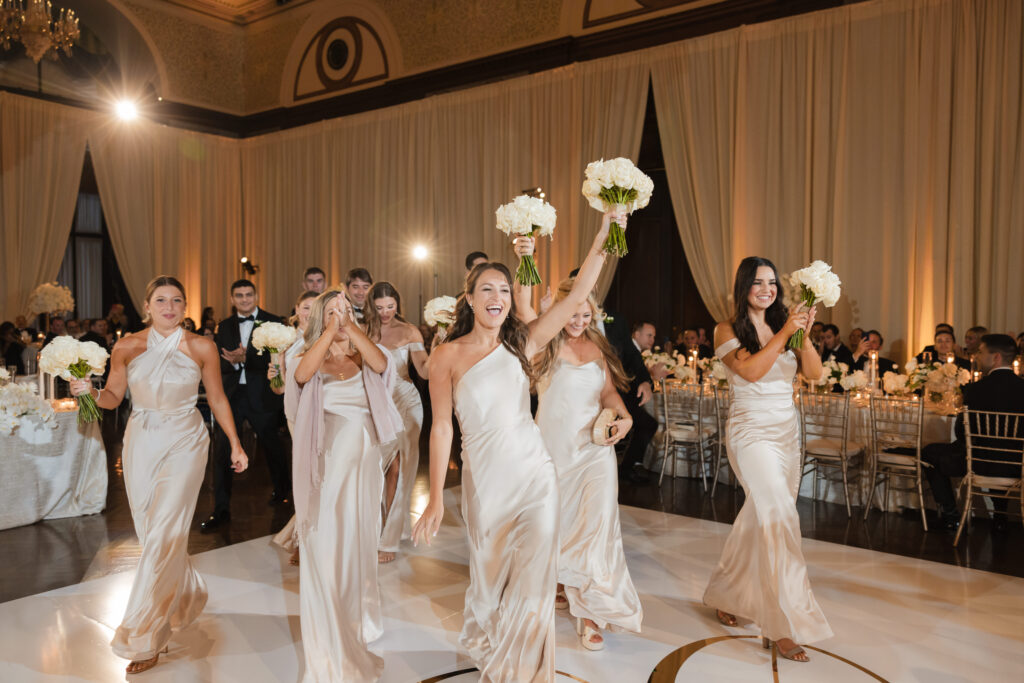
<point>31,22</point>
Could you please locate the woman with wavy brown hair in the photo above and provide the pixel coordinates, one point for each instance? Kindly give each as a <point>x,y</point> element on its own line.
<point>578,377</point>
<point>509,491</point>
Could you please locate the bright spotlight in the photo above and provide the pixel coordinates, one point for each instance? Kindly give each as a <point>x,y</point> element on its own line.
<point>419,252</point>
<point>126,110</point>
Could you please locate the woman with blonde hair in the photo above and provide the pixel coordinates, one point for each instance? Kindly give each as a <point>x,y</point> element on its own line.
<point>579,376</point>
<point>164,457</point>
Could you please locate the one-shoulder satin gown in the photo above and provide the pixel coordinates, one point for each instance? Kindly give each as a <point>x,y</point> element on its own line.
<point>510,504</point>
<point>339,601</point>
<point>591,562</point>
<point>397,525</point>
<point>164,457</point>
<point>762,574</point>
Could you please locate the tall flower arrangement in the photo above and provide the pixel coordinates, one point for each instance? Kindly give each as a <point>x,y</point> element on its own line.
<point>50,298</point>
<point>527,216</point>
<point>616,182</point>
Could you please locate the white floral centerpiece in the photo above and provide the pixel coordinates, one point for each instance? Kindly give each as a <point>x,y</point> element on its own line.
<point>616,182</point>
<point>684,372</point>
<point>655,357</point>
<point>439,312</point>
<point>944,382</point>
<point>5,376</point>
<point>815,283</point>
<point>68,358</point>
<point>527,216</point>
<point>855,381</point>
<point>19,402</point>
<point>50,298</point>
<point>273,337</point>
<point>896,383</point>
<point>714,371</point>
<point>832,374</point>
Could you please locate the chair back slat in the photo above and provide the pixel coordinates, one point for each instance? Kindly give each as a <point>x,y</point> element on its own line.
<point>683,403</point>
<point>896,423</point>
<point>994,437</point>
<point>825,416</point>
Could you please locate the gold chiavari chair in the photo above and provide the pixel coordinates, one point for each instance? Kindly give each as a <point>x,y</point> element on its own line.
<point>994,440</point>
<point>722,397</point>
<point>690,423</point>
<point>895,448</point>
<point>825,437</point>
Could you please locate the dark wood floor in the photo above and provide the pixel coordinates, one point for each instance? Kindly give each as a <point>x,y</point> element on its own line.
<point>56,553</point>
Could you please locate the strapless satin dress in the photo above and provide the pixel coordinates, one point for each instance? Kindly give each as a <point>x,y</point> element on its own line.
<point>398,525</point>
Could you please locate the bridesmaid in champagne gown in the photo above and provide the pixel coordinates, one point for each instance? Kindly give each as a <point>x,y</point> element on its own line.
<point>762,574</point>
<point>385,325</point>
<point>345,417</point>
<point>509,489</point>
<point>164,457</point>
<point>579,374</point>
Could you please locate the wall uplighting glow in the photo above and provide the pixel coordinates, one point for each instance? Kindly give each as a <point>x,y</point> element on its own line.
<point>126,110</point>
<point>419,252</point>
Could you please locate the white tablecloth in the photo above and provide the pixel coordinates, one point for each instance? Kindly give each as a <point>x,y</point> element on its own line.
<point>48,473</point>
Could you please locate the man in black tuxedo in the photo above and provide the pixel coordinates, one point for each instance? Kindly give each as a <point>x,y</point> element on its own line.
<point>357,287</point>
<point>943,348</point>
<point>999,390</point>
<point>244,374</point>
<point>97,333</point>
<point>640,392</point>
<point>871,341</point>
<point>833,348</point>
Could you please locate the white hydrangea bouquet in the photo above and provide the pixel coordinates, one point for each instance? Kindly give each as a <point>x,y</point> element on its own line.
<point>815,283</point>
<point>616,182</point>
<point>714,371</point>
<point>440,313</point>
<point>527,216</point>
<point>50,298</point>
<point>832,374</point>
<point>68,358</point>
<point>273,337</point>
<point>19,401</point>
<point>855,381</point>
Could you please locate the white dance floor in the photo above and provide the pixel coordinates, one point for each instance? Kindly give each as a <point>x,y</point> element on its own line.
<point>895,619</point>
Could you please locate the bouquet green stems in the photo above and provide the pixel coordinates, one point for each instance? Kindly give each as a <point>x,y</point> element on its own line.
<point>88,411</point>
<point>527,274</point>
<point>808,299</point>
<point>275,358</point>
<point>615,245</point>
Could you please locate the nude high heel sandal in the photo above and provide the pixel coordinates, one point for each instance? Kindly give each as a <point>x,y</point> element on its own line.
<point>586,632</point>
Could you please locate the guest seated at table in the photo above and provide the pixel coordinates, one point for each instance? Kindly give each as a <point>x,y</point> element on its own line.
<point>21,323</point>
<point>856,334</point>
<point>941,327</point>
<point>944,347</point>
<point>815,334</point>
<point>116,320</point>
<point>972,340</point>
<point>832,347</point>
<point>999,390</point>
<point>57,329</point>
<point>871,341</point>
<point>691,340</point>
<point>97,333</point>
<point>74,328</point>
<point>11,346</point>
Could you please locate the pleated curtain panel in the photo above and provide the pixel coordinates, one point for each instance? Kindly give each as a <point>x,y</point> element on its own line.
<point>883,137</point>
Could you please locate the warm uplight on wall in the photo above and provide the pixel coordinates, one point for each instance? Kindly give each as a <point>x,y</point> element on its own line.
<point>126,110</point>
<point>419,252</point>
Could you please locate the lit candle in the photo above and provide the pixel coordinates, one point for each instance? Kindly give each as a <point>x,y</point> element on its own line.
<point>50,393</point>
<point>119,334</point>
<point>1016,366</point>
<point>977,375</point>
<point>41,382</point>
<point>872,370</point>
<point>950,358</point>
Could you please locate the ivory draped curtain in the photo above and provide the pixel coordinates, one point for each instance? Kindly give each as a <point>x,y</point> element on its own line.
<point>883,137</point>
<point>365,189</point>
<point>42,147</point>
<point>172,201</point>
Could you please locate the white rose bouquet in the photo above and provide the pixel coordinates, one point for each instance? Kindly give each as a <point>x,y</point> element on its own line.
<point>528,216</point>
<point>68,358</point>
<point>616,181</point>
<point>18,401</point>
<point>50,298</point>
<point>856,380</point>
<point>273,337</point>
<point>815,283</point>
<point>440,312</point>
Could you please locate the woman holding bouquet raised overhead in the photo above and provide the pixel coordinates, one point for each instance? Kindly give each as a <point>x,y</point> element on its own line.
<point>509,490</point>
<point>164,456</point>
<point>761,575</point>
<point>579,378</point>
<point>385,325</point>
<point>345,417</point>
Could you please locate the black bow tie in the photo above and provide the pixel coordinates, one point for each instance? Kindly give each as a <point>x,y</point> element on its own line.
<point>246,317</point>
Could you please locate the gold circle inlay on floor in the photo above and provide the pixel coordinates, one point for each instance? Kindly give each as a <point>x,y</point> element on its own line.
<point>453,674</point>
<point>669,667</point>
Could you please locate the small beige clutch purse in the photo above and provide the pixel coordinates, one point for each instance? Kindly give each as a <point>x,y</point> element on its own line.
<point>602,430</point>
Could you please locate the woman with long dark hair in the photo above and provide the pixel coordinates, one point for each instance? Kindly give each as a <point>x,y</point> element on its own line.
<point>509,489</point>
<point>386,326</point>
<point>578,375</point>
<point>762,575</point>
<point>164,456</point>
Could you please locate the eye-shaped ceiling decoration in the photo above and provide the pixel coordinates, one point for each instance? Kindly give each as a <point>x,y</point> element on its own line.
<point>597,12</point>
<point>344,54</point>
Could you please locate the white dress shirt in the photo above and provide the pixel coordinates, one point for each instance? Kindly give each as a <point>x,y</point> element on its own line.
<point>245,328</point>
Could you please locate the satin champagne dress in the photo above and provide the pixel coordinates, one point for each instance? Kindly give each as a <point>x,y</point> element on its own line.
<point>164,457</point>
<point>287,537</point>
<point>762,574</point>
<point>339,601</point>
<point>510,504</point>
<point>397,525</point>
<point>591,562</point>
